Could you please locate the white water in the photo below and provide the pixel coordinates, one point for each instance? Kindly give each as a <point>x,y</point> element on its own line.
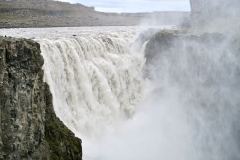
<point>190,113</point>
<point>94,74</point>
<point>95,81</point>
<point>95,78</point>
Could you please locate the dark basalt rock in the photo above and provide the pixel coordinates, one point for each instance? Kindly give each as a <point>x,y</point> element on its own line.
<point>29,127</point>
<point>165,42</point>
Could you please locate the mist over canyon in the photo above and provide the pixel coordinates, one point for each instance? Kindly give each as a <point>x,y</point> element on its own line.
<point>129,92</point>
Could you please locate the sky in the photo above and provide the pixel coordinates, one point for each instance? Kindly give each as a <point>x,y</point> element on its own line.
<point>135,5</point>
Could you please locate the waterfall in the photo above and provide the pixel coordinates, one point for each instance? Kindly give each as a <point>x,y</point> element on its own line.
<point>182,103</point>
<point>95,79</point>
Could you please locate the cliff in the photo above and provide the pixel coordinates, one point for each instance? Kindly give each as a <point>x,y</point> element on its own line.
<point>29,127</point>
<point>169,42</point>
<point>49,13</point>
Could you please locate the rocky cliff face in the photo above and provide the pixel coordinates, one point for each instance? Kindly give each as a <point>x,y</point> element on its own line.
<point>29,128</point>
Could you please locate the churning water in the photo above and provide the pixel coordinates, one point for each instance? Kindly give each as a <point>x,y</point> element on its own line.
<point>184,108</point>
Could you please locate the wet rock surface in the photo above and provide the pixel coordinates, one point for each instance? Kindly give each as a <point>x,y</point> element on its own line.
<point>29,127</point>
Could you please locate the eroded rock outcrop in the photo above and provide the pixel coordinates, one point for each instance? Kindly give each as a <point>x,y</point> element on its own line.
<point>29,127</point>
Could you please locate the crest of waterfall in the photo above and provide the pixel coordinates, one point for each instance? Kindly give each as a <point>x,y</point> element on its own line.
<point>190,108</point>
<point>95,79</point>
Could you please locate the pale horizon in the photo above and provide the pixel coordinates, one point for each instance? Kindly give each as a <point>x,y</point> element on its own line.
<point>133,6</point>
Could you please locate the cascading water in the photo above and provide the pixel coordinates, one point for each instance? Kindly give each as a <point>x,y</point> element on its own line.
<point>94,79</point>
<point>98,81</point>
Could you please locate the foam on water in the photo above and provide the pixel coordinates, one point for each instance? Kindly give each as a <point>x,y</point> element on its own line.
<point>96,77</point>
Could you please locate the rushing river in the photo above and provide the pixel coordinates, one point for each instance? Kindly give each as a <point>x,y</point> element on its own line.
<point>184,108</point>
